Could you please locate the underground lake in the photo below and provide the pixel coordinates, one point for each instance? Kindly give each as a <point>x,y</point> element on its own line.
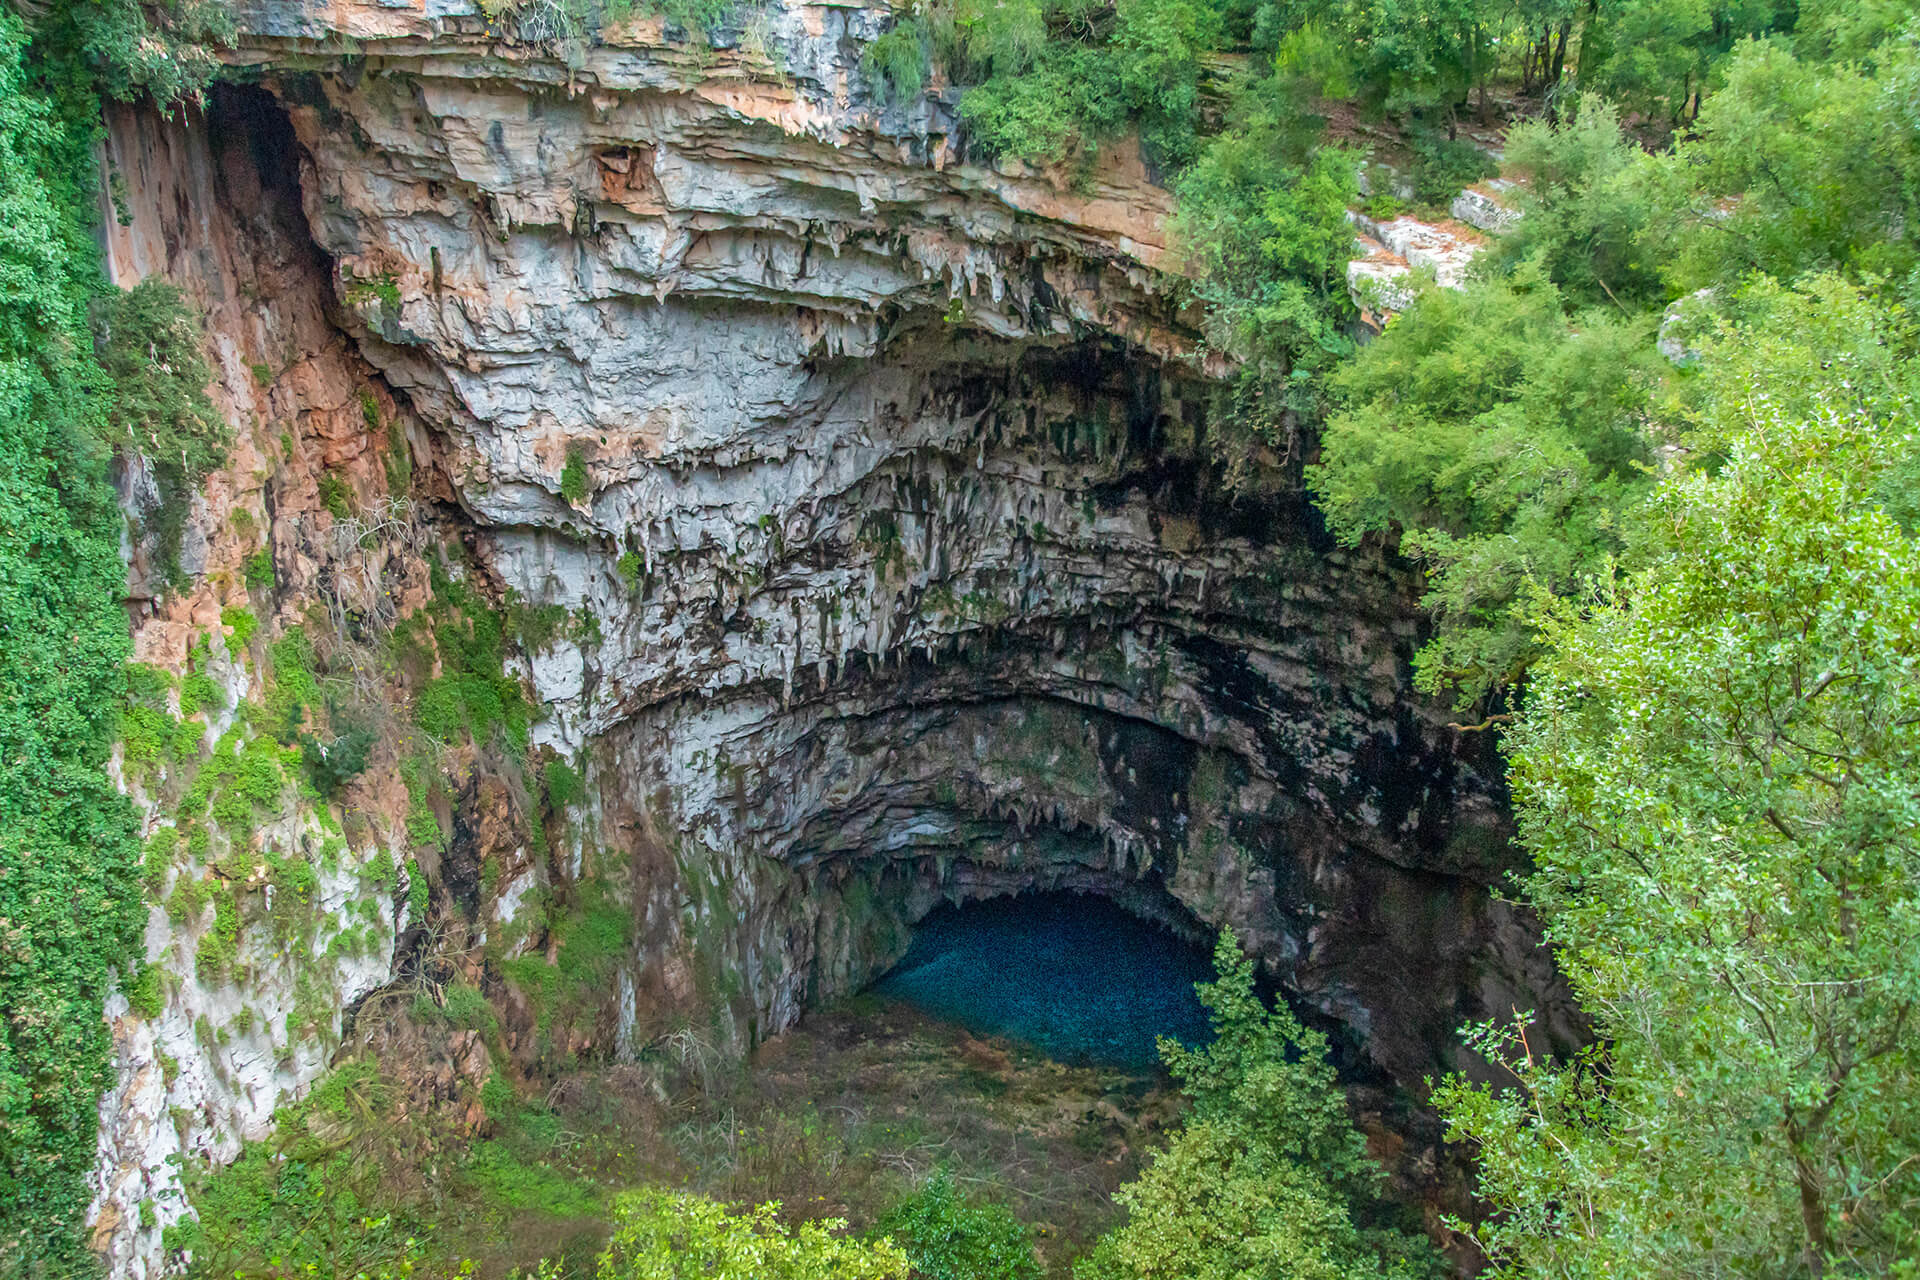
<point>1072,975</point>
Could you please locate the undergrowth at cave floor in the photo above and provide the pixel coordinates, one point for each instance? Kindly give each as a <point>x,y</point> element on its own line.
<point>840,1118</point>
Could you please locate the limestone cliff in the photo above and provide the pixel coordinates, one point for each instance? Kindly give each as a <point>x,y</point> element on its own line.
<point>870,481</point>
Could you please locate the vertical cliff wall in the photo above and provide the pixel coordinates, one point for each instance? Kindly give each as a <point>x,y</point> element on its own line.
<point>270,911</point>
<point>847,501</point>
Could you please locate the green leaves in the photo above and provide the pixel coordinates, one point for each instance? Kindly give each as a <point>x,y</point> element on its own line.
<point>1269,1176</point>
<point>666,1235</point>
<point>69,863</point>
<point>1503,439</point>
<point>949,1237</point>
<point>1800,167</point>
<point>1716,772</point>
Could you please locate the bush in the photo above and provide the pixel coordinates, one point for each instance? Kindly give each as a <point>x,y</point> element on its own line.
<point>667,1235</point>
<point>947,1237</point>
<point>309,1199</point>
<point>896,64</point>
<point>335,495</point>
<point>332,765</point>
<point>573,476</point>
<point>1504,449</point>
<point>143,990</point>
<point>1268,1177</point>
<point>258,568</point>
<point>461,1006</point>
<point>563,784</point>
<point>198,691</point>
<point>242,623</point>
<point>1445,166</point>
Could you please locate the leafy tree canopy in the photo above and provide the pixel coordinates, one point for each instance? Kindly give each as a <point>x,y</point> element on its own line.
<point>1268,1178</point>
<point>1715,771</point>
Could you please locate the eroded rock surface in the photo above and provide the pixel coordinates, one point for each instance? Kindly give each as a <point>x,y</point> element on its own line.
<point>873,479</point>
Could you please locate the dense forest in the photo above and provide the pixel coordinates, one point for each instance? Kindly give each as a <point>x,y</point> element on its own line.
<point>1657,458</point>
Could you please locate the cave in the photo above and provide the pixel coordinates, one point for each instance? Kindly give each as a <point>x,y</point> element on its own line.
<point>892,578</point>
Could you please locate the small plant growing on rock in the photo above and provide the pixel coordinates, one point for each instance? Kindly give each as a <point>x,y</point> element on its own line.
<point>573,477</point>
<point>335,496</point>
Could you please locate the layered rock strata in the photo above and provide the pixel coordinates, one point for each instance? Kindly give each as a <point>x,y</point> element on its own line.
<point>872,478</point>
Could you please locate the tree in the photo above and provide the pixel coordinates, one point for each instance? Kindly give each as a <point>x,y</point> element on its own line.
<point>1585,199</point>
<point>1263,224</point>
<point>1502,439</point>
<point>1797,167</point>
<point>1716,773</point>
<point>1414,54</point>
<point>1268,1176</point>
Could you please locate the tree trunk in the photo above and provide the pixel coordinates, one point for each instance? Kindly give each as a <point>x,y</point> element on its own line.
<point>1559,64</point>
<point>1813,1216</point>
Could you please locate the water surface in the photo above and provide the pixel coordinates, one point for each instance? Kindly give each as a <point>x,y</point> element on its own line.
<point>1073,976</point>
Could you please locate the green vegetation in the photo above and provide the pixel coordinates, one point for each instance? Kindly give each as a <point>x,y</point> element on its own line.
<point>149,345</point>
<point>573,476</point>
<point>569,22</point>
<point>308,1197</point>
<point>473,697</point>
<point>948,1237</point>
<point>1689,586</point>
<point>258,569</point>
<point>335,495</point>
<point>69,859</point>
<point>1502,446</point>
<point>1268,1176</point>
<point>588,940</point>
<point>666,1235</point>
<point>1715,772</point>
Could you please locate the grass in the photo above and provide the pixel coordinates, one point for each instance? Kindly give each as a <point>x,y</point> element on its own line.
<point>848,1114</point>
<point>846,1117</point>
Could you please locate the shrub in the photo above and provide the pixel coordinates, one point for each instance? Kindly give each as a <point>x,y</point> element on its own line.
<point>242,623</point>
<point>149,344</point>
<point>143,991</point>
<point>417,884</point>
<point>258,568</point>
<point>1445,166</point>
<point>335,495</point>
<point>667,1235</point>
<point>1268,1174</point>
<point>563,784</point>
<point>198,691</point>
<point>573,476</point>
<point>332,765</point>
<point>896,64</point>
<point>947,1237</point>
<point>220,944</point>
<point>162,845</point>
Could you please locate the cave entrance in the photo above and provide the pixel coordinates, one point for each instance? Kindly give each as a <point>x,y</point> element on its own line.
<point>1072,975</point>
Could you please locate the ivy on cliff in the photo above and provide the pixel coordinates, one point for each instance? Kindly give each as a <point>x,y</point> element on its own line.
<point>69,861</point>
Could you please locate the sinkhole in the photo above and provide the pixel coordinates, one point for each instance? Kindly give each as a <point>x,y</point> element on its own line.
<point>1072,975</point>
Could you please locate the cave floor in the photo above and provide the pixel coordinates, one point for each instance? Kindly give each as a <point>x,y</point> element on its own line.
<point>836,1118</point>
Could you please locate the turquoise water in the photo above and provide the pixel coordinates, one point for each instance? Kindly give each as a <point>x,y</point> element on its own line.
<point>1075,977</point>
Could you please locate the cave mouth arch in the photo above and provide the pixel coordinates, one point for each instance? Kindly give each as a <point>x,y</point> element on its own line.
<point>1074,975</point>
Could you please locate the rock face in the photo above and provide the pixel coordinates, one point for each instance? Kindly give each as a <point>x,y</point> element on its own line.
<point>872,479</point>
<point>211,202</point>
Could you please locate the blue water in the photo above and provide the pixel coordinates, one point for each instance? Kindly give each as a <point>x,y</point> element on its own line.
<point>1075,977</point>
